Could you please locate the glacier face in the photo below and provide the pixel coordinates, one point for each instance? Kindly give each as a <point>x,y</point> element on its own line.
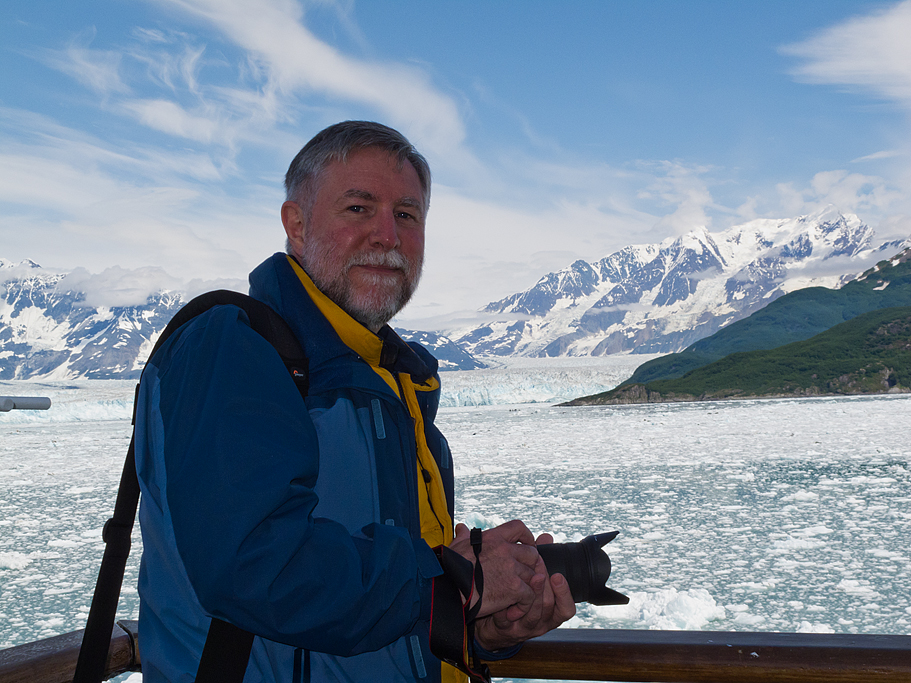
<point>659,298</point>
<point>517,380</point>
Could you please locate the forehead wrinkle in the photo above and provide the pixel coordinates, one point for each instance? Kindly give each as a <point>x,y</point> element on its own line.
<point>354,193</point>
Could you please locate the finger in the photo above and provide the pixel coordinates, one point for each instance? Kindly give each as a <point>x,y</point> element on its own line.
<point>544,539</point>
<point>514,531</point>
<point>549,600</point>
<point>461,531</point>
<point>525,573</point>
<point>525,554</point>
<point>514,613</point>
<point>541,586</point>
<point>564,605</point>
<point>527,592</point>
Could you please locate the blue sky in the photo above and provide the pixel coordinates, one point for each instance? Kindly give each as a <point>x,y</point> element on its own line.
<point>145,141</point>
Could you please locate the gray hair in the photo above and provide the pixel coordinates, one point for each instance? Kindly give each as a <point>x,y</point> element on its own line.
<point>335,143</point>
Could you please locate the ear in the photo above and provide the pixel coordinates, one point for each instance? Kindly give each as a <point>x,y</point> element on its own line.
<point>295,225</point>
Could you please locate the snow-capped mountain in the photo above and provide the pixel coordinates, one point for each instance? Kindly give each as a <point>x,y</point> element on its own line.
<point>47,330</point>
<point>659,298</point>
<point>653,298</point>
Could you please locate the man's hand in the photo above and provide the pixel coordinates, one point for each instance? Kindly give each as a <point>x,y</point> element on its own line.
<point>511,565</point>
<point>553,605</point>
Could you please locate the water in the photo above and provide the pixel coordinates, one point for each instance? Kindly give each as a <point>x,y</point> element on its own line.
<point>757,515</point>
<point>777,515</point>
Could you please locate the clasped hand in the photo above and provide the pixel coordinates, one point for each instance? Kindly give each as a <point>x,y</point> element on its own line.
<point>520,600</point>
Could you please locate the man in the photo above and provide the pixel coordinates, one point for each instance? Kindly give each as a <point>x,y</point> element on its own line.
<point>322,525</point>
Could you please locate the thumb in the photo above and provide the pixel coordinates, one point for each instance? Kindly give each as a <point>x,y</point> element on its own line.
<point>461,532</point>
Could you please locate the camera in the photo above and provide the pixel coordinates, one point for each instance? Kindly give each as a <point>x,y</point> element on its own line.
<point>586,568</point>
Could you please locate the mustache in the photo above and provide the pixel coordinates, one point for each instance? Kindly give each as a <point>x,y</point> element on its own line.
<point>389,259</point>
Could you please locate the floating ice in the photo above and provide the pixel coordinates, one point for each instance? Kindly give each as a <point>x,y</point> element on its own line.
<point>696,491</point>
<point>667,609</point>
<point>855,587</point>
<point>748,621</point>
<point>802,496</point>
<point>14,560</point>
<point>807,627</point>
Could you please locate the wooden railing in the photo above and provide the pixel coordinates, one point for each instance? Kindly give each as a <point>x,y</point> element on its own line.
<point>53,660</point>
<point>710,657</point>
<point>586,654</point>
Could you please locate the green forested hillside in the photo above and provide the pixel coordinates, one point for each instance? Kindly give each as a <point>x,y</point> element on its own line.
<point>868,354</point>
<point>793,317</point>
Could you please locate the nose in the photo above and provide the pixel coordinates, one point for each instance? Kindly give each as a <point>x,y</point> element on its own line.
<point>384,231</point>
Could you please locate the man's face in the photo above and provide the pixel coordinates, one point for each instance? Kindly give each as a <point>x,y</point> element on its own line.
<point>363,242</point>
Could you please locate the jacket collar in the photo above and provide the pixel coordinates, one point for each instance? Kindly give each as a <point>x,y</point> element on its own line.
<point>320,324</point>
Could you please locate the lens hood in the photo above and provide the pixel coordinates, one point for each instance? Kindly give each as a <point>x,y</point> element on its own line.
<point>586,568</point>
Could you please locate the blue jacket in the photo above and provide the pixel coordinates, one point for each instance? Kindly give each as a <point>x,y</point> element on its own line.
<point>296,521</point>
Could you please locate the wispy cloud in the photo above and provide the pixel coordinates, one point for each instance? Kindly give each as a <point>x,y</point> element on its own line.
<point>196,184</point>
<point>118,286</point>
<point>870,53</point>
<point>169,117</point>
<point>849,192</point>
<point>876,156</point>
<point>298,62</point>
<point>98,70</point>
<point>72,199</point>
<point>683,188</point>
<point>865,54</point>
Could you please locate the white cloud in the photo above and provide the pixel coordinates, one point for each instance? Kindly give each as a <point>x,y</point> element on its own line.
<point>836,266</point>
<point>169,117</point>
<point>202,209</point>
<point>865,195</point>
<point>156,81</point>
<point>871,53</point>
<point>298,61</point>
<point>479,251</point>
<point>683,188</point>
<point>895,227</point>
<point>883,154</point>
<point>98,70</point>
<point>71,200</point>
<point>116,286</point>
<point>173,70</point>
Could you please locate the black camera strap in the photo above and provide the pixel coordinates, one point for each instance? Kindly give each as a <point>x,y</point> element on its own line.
<point>227,648</point>
<point>452,615</point>
<point>476,541</point>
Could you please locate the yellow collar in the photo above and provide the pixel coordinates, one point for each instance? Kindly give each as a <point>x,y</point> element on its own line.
<point>354,335</point>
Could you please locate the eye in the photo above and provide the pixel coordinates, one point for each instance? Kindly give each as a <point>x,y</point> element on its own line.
<point>405,215</point>
<point>356,208</point>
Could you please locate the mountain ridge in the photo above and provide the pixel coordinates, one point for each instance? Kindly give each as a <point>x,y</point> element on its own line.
<point>793,317</point>
<point>47,331</point>
<point>869,354</point>
<point>652,298</point>
<point>660,298</point>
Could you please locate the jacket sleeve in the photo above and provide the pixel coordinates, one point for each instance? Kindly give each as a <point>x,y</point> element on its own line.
<point>240,462</point>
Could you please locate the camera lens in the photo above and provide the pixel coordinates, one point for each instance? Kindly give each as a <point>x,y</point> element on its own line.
<point>586,568</point>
